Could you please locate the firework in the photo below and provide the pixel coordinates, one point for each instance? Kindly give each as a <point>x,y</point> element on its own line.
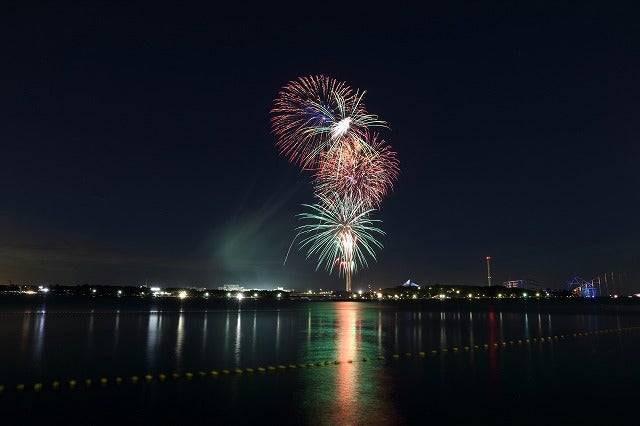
<point>364,174</point>
<point>340,233</point>
<point>316,114</point>
<point>322,125</point>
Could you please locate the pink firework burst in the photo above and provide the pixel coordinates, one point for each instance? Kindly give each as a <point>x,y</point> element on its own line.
<point>363,171</point>
<point>315,114</point>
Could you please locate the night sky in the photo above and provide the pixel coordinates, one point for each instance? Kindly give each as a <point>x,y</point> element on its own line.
<point>136,142</point>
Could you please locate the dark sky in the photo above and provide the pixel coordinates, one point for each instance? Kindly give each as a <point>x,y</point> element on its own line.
<point>136,141</point>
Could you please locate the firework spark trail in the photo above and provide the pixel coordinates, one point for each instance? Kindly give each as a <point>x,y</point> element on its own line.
<point>322,125</point>
<point>314,114</point>
<point>339,228</point>
<point>348,170</point>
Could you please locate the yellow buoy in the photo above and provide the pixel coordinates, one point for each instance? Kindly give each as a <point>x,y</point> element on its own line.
<point>55,384</point>
<point>261,369</point>
<point>271,368</point>
<point>396,356</point>
<point>134,379</point>
<point>225,371</point>
<point>20,387</point>
<point>249,370</point>
<point>37,387</point>
<point>1,388</point>
<point>87,382</point>
<point>214,373</point>
<point>202,373</point>
<point>421,353</point>
<point>293,366</point>
<point>238,371</point>
<point>148,377</point>
<point>118,380</point>
<point>162,377</point>
<point>104,381</point>
<point>176,376</point>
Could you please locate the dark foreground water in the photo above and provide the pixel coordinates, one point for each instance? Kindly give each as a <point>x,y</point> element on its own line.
<point>318,363</point>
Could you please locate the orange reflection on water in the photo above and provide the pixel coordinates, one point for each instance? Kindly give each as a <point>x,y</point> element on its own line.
<point>347,347</point>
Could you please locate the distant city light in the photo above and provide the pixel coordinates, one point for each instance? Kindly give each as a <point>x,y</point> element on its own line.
<point>182,294</point>
<point>240,296</point>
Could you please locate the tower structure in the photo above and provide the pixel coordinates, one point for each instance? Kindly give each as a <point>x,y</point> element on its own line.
<point>489,271</point>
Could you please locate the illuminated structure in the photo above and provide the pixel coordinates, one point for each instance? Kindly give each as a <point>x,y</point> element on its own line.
<point>582,288</point>
<point>231,287</point>
<point>489,271</point>
<point>512,283</point>
<point>408,283</point>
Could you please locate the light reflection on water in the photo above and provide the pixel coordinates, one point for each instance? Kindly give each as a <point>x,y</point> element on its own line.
<point>261,335</point>
<point>58,341</point>
<point>165,338</point>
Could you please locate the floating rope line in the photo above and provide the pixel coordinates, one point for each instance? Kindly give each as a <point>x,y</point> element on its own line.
<point>103,382</point>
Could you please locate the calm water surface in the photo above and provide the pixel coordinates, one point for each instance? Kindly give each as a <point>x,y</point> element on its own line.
<point>587,378</point>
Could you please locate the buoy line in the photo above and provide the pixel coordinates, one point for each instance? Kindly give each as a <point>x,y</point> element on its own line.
<point>88,383</point>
